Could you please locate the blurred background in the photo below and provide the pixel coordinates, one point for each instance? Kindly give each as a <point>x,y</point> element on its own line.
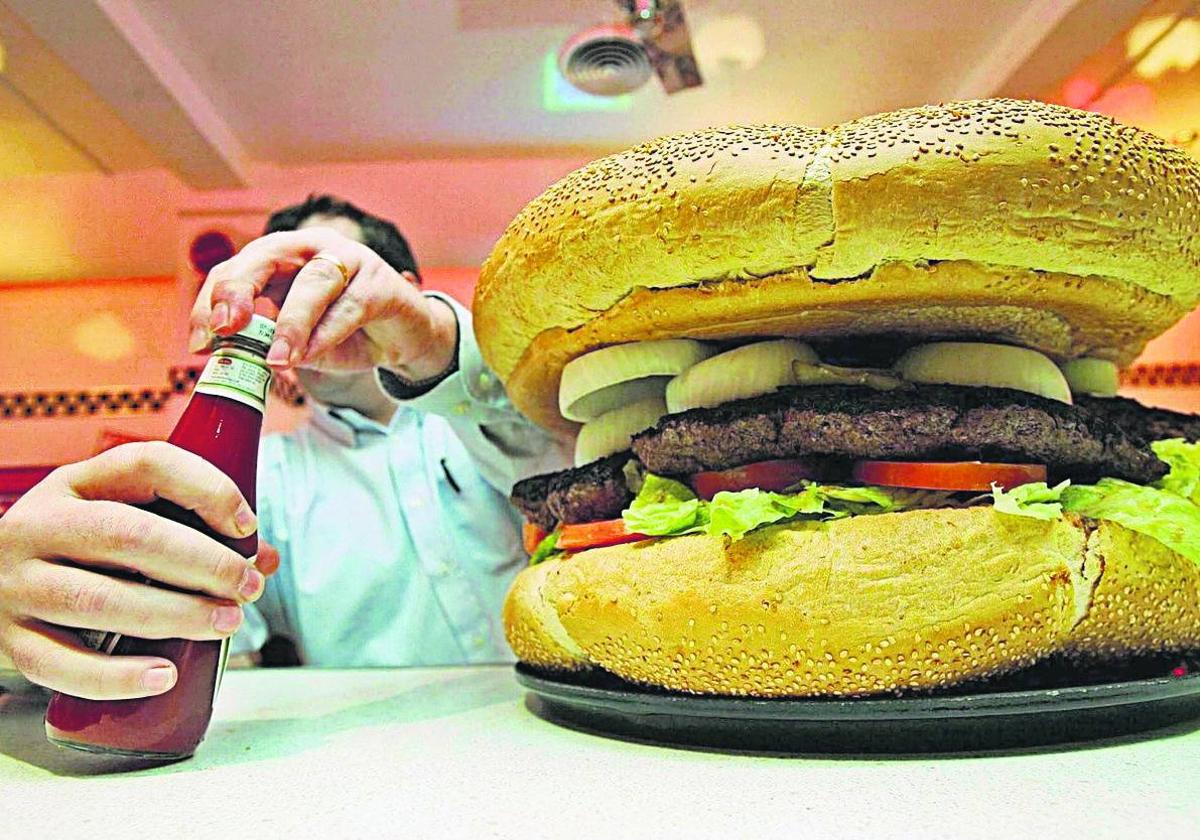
<point>143,142</point>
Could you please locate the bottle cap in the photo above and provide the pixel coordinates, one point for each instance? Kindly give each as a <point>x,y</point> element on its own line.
<point>259,329</point>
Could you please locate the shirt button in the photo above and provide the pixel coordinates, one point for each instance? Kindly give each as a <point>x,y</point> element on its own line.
<point>478,642</point>
<point>441,570</point>
<point>485,380</point>
<point>461,408</point>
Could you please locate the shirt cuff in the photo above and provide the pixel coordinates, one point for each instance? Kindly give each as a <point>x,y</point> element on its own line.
<point>471,391</point>
<point>252,635</point>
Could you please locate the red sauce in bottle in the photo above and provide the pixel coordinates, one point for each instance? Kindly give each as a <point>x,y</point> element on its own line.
<point>221,424</point>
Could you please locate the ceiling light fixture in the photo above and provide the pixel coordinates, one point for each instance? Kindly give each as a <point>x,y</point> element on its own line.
<point>729,42</point>
<point>559,95</point>
<point>1164,43</point>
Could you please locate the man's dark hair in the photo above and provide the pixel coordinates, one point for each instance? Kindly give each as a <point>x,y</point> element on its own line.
<point>380,235</point>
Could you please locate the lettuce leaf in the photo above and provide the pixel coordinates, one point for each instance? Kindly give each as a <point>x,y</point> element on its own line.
<point>1169,511</point>
<point>1035,500</point>
<point>658,490</point>
<point>735,514</point>
<point>807,501</point>
<point>668,508</point>
<point>1184,460</point>
<point>857,500</point>
<point>662,508</point>
<point>1168,517</point>
<point>1163,514</point>
<point>545,549</point>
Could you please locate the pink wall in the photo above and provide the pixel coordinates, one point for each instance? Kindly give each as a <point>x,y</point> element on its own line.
<point>136,224</point>
<point>81,227</point>
<point>1179,344</point>
<point>55,329</point>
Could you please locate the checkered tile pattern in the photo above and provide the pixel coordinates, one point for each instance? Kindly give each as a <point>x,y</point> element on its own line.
<point>115,402</point>
<point>1169,375</point>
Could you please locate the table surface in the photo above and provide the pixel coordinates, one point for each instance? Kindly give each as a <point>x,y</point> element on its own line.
<point>455,752</point>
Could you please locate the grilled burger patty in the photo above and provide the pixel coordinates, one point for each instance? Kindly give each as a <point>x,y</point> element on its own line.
<point>1138,421</point>
<point>1093,438</point>
<point>923,423</point>
<point>589,493</point>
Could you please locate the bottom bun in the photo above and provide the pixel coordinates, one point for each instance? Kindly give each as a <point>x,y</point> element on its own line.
<point>874,604</point>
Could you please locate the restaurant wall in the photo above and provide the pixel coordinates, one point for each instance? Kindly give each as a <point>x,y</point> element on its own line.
<point>107,358</point>
<point>95,282</point>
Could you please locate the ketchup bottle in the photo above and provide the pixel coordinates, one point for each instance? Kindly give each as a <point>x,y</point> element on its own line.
<point>221,424</point>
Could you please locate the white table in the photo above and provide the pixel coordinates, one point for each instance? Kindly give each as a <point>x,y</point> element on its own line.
<point>454,752</point>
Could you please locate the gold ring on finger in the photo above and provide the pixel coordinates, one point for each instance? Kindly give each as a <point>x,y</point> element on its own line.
<point>332,259</point>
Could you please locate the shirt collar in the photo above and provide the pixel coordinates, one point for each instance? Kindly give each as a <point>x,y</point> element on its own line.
<point>347,426</point>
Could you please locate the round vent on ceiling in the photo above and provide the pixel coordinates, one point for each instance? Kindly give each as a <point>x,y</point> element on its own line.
<point>605,61</point>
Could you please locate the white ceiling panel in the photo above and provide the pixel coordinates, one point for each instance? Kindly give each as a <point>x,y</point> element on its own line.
<point>305,80</point>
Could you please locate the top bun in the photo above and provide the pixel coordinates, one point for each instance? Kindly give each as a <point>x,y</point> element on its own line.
<point>1015,221</point>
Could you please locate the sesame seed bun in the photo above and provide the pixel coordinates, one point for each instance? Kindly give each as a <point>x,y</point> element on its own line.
<point>868,605</point>
<point>1057,229</point>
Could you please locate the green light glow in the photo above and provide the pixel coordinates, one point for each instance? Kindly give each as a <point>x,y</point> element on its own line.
<point>559,96</point>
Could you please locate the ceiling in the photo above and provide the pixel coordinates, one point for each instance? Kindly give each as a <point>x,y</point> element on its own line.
<point>209,89</point>
<point>406,77</point>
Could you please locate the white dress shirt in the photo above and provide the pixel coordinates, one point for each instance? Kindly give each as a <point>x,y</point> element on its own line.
<point>398,542</point>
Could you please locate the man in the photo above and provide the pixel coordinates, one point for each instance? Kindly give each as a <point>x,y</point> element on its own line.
<point>388,507</point>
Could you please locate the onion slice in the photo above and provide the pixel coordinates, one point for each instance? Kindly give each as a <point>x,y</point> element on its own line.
<point>605,379</point>
<point>746,371</point>
<point>1098,377</point>
<point>985,365</point>
<point>612,397</point>
<point>614,431</point>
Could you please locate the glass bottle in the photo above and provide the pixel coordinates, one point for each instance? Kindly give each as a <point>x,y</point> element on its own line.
<point>221,424</point>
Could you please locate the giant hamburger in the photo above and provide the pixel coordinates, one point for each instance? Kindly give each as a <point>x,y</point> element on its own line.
<point>846,403</point>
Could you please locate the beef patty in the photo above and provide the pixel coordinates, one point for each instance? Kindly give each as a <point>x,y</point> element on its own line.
<point>925,422</point>
<point>595,491</point>
<point>1094,438</point>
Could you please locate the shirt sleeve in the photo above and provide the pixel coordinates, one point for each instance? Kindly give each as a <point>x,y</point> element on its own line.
<point>267,616</point>
<point>504,444</point>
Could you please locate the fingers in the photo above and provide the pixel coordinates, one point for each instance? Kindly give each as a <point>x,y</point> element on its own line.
<point>226,301</point>
<point>52,657</point>
<point>375,293</point>
<point>110,535</point>
<point>199,333</point>
<point>318,284</point>
<point>339,321</point>
<point>237,283</point>
<point>74,597</point>
<point>140,473</point>
<point>90,525</point>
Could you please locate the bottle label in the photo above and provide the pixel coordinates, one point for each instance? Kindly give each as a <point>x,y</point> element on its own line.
<point>235,376</point>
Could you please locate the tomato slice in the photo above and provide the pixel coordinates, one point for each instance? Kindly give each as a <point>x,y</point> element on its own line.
<point>595,534</point>
<point>532,535</point>
<point>954,475</point>
<point>765,475</point>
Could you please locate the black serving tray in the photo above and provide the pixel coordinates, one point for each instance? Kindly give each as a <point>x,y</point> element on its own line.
<point>1035,708</point>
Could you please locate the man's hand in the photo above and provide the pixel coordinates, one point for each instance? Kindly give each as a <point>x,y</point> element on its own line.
<point>375,317</point>
<point>58,539</point>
